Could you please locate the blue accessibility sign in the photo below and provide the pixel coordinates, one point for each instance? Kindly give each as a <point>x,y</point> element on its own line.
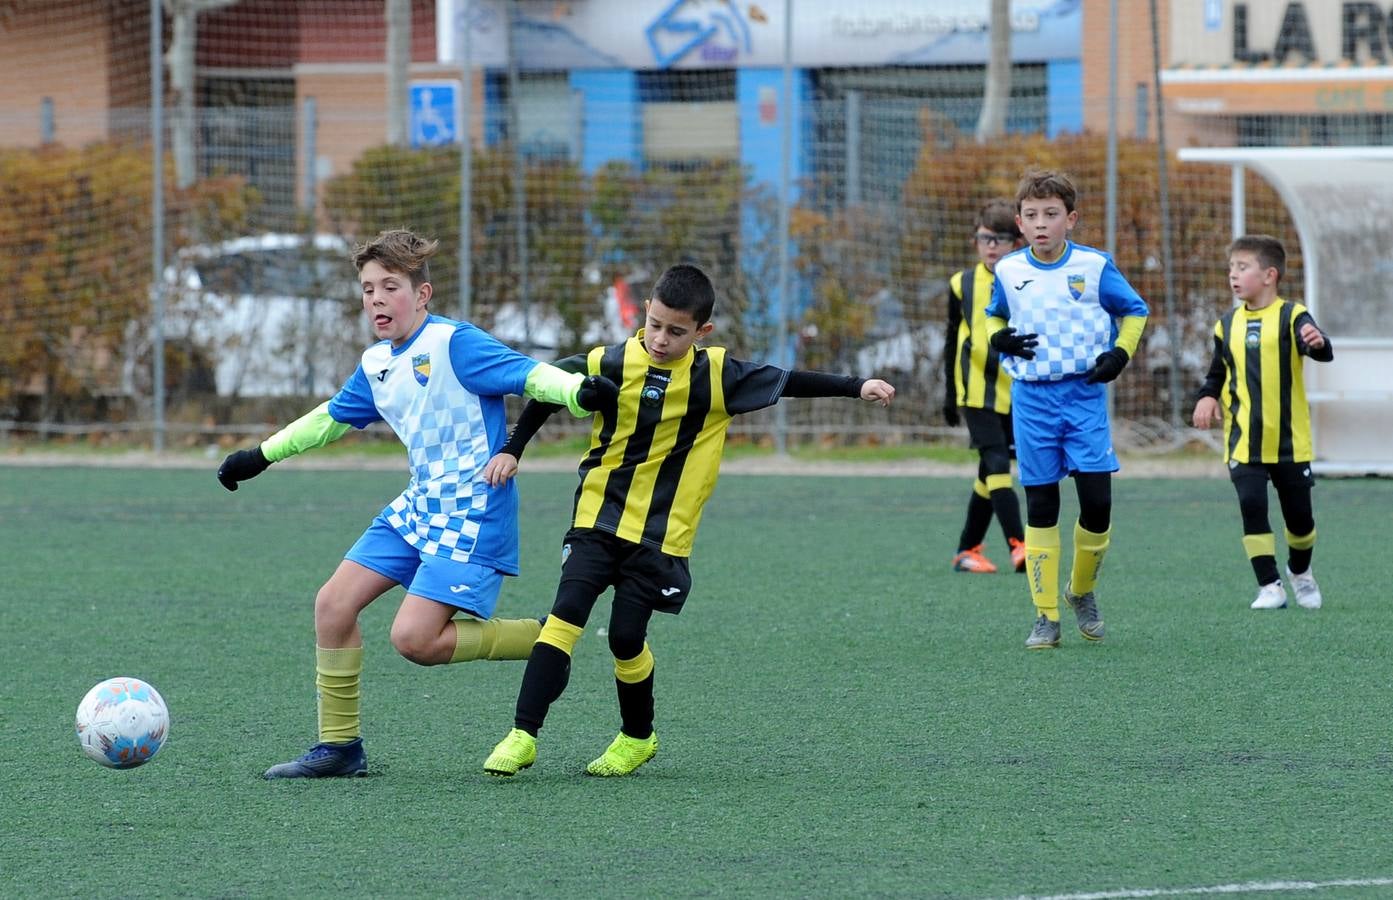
<point>435,113</point>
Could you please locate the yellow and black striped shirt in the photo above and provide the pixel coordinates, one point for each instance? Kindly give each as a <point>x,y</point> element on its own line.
<point>653,464</point>
<point>1256,376</point>
<point>977,376</point>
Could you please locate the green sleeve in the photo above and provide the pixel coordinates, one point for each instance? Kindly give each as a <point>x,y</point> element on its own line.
<point>549,384</point>
<point>1129,333</point>
<point>315,428</point>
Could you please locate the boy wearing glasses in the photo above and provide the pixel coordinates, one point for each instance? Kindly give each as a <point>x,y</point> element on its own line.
<point>977,390</point>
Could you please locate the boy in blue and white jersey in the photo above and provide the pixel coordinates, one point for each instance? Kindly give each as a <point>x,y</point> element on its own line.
<point>450,537</point>
<point>1074,324</point>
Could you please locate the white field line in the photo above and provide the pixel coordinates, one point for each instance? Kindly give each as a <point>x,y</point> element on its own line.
<point>1243,888</point>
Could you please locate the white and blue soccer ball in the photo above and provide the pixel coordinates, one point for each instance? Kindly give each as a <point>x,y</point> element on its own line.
<point>122,723</point>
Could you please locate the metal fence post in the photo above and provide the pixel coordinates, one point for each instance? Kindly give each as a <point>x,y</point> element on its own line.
<point>157,210</point>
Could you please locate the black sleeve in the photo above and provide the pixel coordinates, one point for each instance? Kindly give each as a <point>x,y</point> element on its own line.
<point>1214,378</point>
<point>950,347</point>
<point>1324,354</point>
<point>821,384</point>
<point>534,416</point>
<point>578,363</point>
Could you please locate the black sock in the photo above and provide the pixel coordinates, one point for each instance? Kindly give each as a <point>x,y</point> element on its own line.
<point>1007,507</point>
<point>636,706</point>
<point>1265,567</point>
<point>979,516</point>
<point>548,671</point>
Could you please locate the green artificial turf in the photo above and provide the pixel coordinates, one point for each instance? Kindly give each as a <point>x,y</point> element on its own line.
<point>839,713</point>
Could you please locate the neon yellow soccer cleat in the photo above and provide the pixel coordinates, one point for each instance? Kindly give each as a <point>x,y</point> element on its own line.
<point>624,755</point>
<point>514,753</point>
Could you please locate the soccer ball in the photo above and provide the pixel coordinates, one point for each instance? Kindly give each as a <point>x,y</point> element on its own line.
<point>122,723</point>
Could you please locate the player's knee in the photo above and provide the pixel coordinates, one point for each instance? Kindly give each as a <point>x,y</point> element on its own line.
<point>626,643</point>
<point>334,609</point>
<point>414,646</point>
<point>995,461</point>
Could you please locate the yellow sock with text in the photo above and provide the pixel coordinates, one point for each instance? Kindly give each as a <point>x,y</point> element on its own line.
<point>1042,569</point>
<point>1089,549</point>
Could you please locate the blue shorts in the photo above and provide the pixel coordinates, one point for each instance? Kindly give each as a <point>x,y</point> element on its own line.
<point>469,586</point>
<point>1061,427</point>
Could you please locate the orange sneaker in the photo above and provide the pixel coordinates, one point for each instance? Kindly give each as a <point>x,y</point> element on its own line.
<point>972,560</point>
<point>1017,553</point>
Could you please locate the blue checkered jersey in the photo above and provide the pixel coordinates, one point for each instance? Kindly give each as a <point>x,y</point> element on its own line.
<point>1073,304</point>
<point>442,393</point>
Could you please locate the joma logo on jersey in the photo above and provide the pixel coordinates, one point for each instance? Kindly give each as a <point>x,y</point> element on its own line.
<point>1076,286</point>
<point>420,367</point>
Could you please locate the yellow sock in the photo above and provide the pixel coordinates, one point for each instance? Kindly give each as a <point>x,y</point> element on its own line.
<point>632,671</point>
<point>337,673</point>
<point>494,638</point>
<point>1042,569</point>
<point>1256,545</point>
<point>1089,549</point>
<point>1298,541</point>
<point>997,482</point>
<point>560,634</point>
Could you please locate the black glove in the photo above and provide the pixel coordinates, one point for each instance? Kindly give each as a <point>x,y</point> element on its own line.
<point>242,465</point>
<point>598,394</point>
<point>1108,366</point>
<point>950,413</point>
<point>1008,342</point>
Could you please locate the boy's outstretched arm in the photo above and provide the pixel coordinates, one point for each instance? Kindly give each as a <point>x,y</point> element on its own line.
<point>314,429</point>
<point>802,383</point>
<point>581,394</point>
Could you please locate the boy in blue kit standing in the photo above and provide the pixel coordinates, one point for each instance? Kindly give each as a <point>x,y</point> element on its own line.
<point>1074,323</point>
<point>451,536</point>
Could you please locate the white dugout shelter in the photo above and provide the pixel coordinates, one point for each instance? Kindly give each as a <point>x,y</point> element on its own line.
<point>1339,199</point>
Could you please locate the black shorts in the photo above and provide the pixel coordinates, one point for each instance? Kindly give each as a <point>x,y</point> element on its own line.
<point>988,428</point>
<point>1282,475</point>
<point>638,573</point>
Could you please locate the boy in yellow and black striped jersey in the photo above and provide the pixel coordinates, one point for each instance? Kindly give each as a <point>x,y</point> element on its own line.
<point>977,385</point>
<point>652,463</point>
<point>1255,387</point>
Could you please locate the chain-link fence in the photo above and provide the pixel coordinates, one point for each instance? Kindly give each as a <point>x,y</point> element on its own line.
<point>823,168</point>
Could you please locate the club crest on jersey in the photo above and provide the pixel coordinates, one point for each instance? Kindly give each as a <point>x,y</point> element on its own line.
<point>1076,286</point>
<point>1253,338</point>
<point>420,367</point>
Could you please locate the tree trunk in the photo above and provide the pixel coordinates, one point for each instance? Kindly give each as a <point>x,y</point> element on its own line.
<point>181,59</point>
<point>398,72</point>
<point>997,95</point>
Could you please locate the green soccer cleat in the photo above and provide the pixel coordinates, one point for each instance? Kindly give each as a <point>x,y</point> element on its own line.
<point>1085,608</point>
<point>624,756</point>
<point>1044,636</point>
<point>514,753</point>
